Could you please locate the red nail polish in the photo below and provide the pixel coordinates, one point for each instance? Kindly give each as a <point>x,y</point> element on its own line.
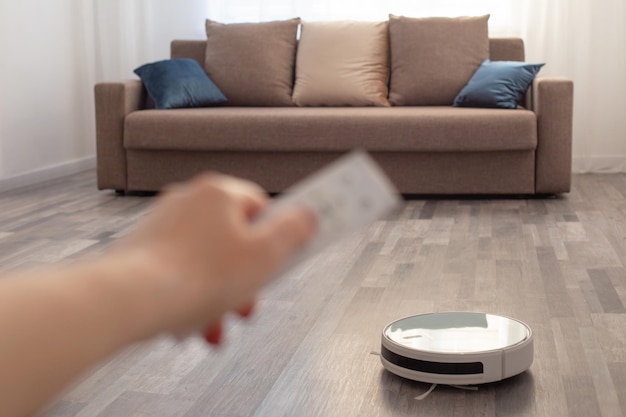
<point>247,311</point>
<point>214,335</point>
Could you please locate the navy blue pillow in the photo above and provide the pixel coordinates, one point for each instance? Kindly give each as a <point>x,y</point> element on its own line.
<point>497,84</point>
<point>175,83</point>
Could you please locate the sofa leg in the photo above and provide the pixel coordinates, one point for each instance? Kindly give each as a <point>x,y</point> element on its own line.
<point>545,196</point>
<point>120,192</point>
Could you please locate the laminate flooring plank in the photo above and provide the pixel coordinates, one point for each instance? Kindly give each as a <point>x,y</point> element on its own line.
<point>439,231</point>
<point>516,396</point>
<point>605,290</point>
<point>610,330</point>
<point>63,409</point>
<point>391,241</point>
<point>332,387</point>
<point>485,290</point>
<point>165,375</point>
<point>575,280</point>
<point>362,265</point>
<point>618,375</point>
<point>548,391</point>
<point>553,283</point>
<point>571,352</point>
<point>610,236</point>
<point>108,373</point>
<point>426,211</point>
<point>363,305</point>
<point>109,393</point>
<point>607,395</point>
<point>145,404</point>
<point>618,278</point>
<point>314,361</point>
<point>461,256</point>
<point>581,396</point>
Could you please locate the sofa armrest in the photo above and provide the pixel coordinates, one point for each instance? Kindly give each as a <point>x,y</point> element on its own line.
<point>114,101</point>
<point>552,102</point>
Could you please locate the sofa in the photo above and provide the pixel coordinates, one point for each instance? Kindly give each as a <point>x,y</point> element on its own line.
<point>428,147</point>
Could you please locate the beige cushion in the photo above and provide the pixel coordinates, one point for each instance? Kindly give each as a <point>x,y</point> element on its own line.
<point>342,64</point>
<point>252,63</point>
<point>433,58</point>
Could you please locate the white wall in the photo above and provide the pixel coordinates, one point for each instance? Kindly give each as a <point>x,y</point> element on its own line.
<point>46,105</point>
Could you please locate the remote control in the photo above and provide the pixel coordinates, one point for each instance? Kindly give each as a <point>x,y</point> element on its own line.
<point>345,196</point>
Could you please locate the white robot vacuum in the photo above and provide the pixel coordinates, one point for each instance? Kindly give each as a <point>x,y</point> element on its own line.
<point>457,348</point>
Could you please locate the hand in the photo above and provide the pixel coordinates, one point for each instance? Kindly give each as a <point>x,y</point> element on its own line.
<point>214,335</point>
<point>201,242</point>
<point>195,258</point>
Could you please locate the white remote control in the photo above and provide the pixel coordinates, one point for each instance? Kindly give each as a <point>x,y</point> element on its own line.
<point>345,196</point>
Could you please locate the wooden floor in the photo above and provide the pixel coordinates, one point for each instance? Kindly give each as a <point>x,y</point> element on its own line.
<point>557,264</point>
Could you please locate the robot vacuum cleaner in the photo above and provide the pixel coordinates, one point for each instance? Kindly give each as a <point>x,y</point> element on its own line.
<point>457,348</point>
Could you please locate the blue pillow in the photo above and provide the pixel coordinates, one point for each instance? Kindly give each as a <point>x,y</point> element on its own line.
<point>175,83</point>
<point>497,84</point>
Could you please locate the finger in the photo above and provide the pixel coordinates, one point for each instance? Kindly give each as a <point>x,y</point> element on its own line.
<point>251,197</point>
<point>252,206</point>
<point>238,186</point>
<point>173,188</point>
<point>247,310</point>
<point>214,335</point>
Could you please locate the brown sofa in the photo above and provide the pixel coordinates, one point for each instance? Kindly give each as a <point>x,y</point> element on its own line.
<point>423,149</point>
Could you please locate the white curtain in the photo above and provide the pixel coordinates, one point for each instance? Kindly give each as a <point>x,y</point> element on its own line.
<point>502,12</point>
<point>129,33</point>
<point>583,40</point>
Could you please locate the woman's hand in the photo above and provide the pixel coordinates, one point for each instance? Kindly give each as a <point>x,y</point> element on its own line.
<point>202,241</point>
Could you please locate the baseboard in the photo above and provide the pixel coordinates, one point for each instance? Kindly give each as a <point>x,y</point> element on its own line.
<point>599,165</point>
<point>48,173</point>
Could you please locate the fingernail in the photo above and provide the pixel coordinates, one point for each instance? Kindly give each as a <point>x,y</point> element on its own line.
<point>214,335</point>
<point>246,311</point>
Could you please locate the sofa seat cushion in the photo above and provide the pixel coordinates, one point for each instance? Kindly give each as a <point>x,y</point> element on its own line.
<point>417,129</point>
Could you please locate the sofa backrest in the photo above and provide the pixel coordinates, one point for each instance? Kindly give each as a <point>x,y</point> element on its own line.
<point>506,49</point>
<point>501,49</point>
<point>194,49</point>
